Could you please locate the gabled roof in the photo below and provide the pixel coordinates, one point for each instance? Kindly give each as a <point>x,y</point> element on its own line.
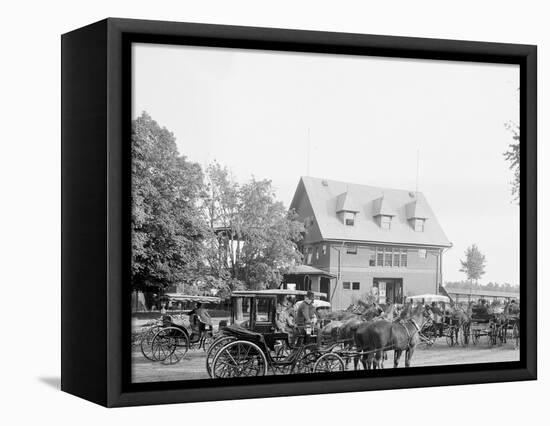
<point>345,203</point>
<point>417,209</point>
<point>323,196</point>
<point>381,207</point>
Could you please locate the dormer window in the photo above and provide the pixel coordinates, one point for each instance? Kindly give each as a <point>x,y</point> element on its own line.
<point>417,213</point>
<point>346,209</point>
<point>419,225</point>
<point>385,222</point>
<point>383,212</point>
<point>349,218</point>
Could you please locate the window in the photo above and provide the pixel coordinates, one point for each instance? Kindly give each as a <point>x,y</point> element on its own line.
<point>349,218</point>
<point>396,258</point>
<point>419,225</point>
<point>404,258</point>
<point>351,250</point>
<point>355,286</point>
<point>388,257</point>
<point>385,222</point>
<point>422,253</point>
<point>309,254</point>
<point>372,258</point>
<point>347,285</point>
<point>317,253</point>
<point>324,249</point>
<point>379,257</point>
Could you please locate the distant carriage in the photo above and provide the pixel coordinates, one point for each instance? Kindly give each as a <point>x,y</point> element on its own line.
<point>169,338</point>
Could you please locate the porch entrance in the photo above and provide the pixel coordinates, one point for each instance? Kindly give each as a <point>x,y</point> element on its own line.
<point>390,290</point>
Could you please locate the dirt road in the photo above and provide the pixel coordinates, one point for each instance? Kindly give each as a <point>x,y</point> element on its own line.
<point>193,364</point>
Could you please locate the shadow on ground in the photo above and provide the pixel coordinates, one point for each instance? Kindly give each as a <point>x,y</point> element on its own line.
<point>54,382</point>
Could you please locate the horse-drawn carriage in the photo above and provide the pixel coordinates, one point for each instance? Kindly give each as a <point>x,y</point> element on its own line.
<point>494,323</point>
<point>254,343</point>
<point>479,321</point>
<point>168,338</point>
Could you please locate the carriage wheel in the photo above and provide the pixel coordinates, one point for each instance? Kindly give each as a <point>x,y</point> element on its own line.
<point>306,361</point>
<point>170,345</point>
<point>328,363</point>
<point>282,351</point>
<point>147,340</point>
<point>206,341</point>
<point>239,359</point>
<point>213,349</point>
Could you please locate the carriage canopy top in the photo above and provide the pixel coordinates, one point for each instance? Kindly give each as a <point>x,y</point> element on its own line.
<point>429,298</point>
<point>274,292</point>
<point>180,297</point>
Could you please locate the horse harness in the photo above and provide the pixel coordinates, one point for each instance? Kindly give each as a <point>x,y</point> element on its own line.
<point>409,335</point>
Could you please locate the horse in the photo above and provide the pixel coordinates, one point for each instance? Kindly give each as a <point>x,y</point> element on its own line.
<point>461,317</point>
<point>379,336</point>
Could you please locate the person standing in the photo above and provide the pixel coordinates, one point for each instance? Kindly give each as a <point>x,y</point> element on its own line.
<point>306,311</point>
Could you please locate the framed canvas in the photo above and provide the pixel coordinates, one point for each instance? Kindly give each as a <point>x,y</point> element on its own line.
<point>255,212</point>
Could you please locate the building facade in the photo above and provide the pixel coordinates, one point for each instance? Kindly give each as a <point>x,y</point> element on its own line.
<point>375,241</point>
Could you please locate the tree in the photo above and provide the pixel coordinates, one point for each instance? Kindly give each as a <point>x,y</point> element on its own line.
<point>512,156</point>
<point>252,236</point>
<point>269,233</point>
<point>168,228</point>
<point>474,264</point>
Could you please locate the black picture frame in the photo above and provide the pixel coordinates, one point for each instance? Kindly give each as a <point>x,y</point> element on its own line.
<point>96,90</point>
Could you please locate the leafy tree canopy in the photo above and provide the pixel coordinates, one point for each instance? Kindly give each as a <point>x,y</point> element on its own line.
<point>512,156</point>
<point>474,264</point>
<point>253,237</point>
<point>167,227</point>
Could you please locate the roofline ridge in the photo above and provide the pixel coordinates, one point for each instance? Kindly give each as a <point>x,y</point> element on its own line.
<point>382,188</point>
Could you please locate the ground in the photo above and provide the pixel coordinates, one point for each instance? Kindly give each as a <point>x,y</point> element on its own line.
<point>193,365</point>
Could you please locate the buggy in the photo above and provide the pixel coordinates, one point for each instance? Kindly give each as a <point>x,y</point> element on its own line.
<point>168,339</point>
<point>253,344</point>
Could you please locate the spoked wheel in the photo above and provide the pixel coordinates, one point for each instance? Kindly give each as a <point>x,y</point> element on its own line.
<point>306,361</point>
<point>282,351</point>
<point>170,345</point>
<point>206,341</point>
<point>239,359</point>
<point>147,340</point>
<point>213,349</point>
<point>329,363</point>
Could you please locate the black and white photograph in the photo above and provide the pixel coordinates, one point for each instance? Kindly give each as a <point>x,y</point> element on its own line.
<point>297,213</point>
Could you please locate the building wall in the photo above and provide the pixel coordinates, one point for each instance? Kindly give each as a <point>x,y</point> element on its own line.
<point>420,276</point>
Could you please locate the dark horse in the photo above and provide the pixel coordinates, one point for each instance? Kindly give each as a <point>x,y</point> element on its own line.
<point>379,336</point>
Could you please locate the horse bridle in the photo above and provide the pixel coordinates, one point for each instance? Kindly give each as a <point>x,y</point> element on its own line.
<point>417,328</point>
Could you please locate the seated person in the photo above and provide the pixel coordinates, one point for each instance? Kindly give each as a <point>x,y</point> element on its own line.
<point>199,319</point>
<point>284,319</point>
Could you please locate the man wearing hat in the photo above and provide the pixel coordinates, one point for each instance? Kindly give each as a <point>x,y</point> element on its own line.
<point>306,311</point>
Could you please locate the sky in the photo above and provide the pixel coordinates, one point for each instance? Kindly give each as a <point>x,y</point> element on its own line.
<point>396,123</point>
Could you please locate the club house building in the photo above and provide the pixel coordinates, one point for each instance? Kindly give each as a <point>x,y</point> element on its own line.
<point>362,240</point>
